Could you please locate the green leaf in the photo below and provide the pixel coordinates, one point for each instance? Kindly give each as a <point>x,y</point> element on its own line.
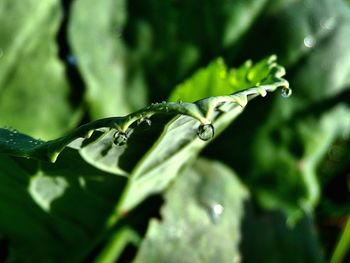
<point>104,143</point>
<point>33,89</point>
<point>95,36</point>
<point>200,219</point>
<point>216,79</point>
<point>54,212</point>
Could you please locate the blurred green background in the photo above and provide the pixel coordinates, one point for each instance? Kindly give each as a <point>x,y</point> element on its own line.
<point>67,62</point>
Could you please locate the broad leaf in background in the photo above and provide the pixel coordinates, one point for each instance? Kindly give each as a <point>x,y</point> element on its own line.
<point>312,45</point>
<point>33,88</point>
<point>95,34</point>
<point>53,211</point>
<point>201,218</point>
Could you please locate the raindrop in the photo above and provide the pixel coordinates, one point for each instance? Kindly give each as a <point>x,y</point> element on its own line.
<point>309,41</point>
<point>216,211</point>
<point>121,138</point>
<point>286,92</point>
<point>180,102</point>
<point>205,132</point>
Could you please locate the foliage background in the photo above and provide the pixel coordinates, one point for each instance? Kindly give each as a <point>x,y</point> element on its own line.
<point>63,63</point>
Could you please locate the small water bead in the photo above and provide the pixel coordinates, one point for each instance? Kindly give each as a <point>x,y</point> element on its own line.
<point>286,92</point>
<point>144,121</point>
<point>120,138</point>
<point>205,132</point>
<point>216,211</point>
<point>328,23</point>
<point>309,41</point>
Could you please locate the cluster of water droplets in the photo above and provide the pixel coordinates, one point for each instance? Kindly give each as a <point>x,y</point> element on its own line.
<point>144,122</point>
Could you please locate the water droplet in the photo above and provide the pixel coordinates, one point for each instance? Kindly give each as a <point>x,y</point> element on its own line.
<point>145,121</point>
<point>163,102</point>
<point>121,138</point>
<point>205,132</point>
<point>180,102</point>
<point>286,92</point>
<point>309,41</point>
<point>216,211</point>
<point>328,23</point>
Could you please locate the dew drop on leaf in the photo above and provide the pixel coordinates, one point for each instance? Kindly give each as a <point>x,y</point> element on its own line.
<point>121,138</point>
<point>205,132</point>
<point>309,41</point>
<point>144,122</point>
<point>286,92</point>
<point>216,211</point>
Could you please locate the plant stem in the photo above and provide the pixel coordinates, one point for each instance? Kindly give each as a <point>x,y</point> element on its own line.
<point>343,245</point>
